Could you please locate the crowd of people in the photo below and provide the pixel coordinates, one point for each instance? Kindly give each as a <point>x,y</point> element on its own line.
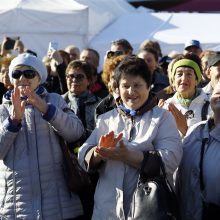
<point>143,102</point>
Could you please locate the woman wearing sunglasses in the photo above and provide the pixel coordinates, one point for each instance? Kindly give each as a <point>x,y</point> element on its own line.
<point>32,183</point>
<point>79,76</point>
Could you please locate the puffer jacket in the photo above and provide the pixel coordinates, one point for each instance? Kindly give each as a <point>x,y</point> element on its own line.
<point>32,182</point>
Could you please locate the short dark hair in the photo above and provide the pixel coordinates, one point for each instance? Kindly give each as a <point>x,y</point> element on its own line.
<point>124,43</point>
<point>82,65</point>
<point>150,50</point>
<point>135,66</point>
<point>65,56</point>
<point>93,51</point>
<point>152,44</point>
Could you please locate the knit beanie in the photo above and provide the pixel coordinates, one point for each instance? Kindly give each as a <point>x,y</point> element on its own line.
<point>27,59</point>
<point>187,63</point>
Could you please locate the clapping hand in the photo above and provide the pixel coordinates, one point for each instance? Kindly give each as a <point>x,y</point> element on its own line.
<point>109,140</point>
<point>107,149</point>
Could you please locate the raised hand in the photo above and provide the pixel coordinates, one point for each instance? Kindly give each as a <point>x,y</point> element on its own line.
<point>109,140</point>
<point>118,153</point>
<point>180,118</point>
<point>34,99</point>
<point>18,104</point>
<point>107,149</point>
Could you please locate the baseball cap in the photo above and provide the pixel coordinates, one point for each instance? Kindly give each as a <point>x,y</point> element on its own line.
<point>214,59</point>
<point>192,43</point>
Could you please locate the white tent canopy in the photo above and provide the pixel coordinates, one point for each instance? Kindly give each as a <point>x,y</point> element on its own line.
<point>135,27</point>
<point>104,12</point>
<point>187,26</point>
<point>39,22</point>
<point>171,30</point>
<point>95,23</point>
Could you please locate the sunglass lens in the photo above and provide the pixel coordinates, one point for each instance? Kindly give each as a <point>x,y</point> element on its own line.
<point>78,77</point>
<point>16,74</point>
<point>110,54</point>
<point>29,74</point>
<point>118,53</point>
<point>114,53</point>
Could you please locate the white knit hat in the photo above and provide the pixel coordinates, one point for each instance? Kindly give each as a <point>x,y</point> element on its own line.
<point>27,59</point>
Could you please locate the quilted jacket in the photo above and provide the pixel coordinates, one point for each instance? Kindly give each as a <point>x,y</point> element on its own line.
<point>32,180</point>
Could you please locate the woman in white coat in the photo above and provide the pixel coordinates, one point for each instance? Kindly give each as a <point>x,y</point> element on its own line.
<point>189,105</point>
<point>116,146</point>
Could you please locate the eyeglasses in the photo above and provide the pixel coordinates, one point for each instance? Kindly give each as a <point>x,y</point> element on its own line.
<point>77,77</point>
<point>114,53</point>
<point>29,74</point>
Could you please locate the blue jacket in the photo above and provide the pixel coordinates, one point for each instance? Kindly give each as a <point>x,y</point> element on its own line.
<point>32,183</point>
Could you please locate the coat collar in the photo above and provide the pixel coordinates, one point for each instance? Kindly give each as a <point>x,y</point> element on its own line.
<point>149,104</point>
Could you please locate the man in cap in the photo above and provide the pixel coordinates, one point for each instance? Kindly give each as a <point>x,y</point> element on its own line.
<point>193,46</point>
<point>213,73</point>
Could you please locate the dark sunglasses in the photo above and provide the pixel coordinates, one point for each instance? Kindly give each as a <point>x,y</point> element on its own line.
<point>114,53</point>
<point>77,77</point>
<point>29,74</point>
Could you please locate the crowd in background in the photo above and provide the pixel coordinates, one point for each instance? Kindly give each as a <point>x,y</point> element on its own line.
<point>139,102</point>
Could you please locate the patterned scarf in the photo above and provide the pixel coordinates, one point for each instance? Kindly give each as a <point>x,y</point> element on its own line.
<point>186,101</point>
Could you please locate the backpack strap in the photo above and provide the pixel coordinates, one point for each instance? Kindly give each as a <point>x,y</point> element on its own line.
<point>204,142</point>
<point>202,152</point>
<point>204,110</point>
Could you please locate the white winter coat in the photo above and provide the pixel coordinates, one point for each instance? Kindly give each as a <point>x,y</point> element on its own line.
<point>154,129</point>
<point>196,106</point>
